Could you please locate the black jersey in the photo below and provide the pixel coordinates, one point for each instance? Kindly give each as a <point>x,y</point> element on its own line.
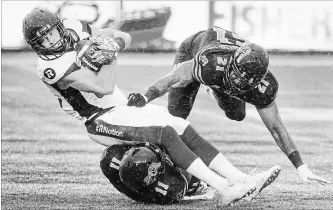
<point>212,52</point>
<point>169,188</point>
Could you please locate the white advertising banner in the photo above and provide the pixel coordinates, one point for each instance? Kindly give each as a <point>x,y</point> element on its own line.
<point>286,25</point>
<point>276,25</point>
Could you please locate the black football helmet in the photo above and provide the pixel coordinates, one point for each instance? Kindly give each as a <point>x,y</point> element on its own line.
<point>36,25</point>
<point>248,67</point>
<point>142,165</point>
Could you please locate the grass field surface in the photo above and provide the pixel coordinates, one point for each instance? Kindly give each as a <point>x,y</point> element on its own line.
<point>48,162</point>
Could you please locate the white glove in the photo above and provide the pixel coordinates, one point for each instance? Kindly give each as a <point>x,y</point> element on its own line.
<point>307,175</point>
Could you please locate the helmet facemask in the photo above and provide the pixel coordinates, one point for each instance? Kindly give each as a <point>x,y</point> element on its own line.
<point>58,48</point>
<point>237,82</point>
<point>247,68</point>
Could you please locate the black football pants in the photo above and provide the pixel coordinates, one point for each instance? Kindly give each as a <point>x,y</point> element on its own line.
<point>181,100</point>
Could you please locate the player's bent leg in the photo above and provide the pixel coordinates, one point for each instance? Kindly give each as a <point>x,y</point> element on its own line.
<point>119,123</point>
<point>111,124</point>
<point>234,108</point>
<point>181,100</point>
<point>167,137</point>
<point>237,112</point>
<point>125,124</point>
<point>210,155</point>
<point>108,134</point>
<point>217,162</point>
<point>187,160</point>
<point>202,148</point>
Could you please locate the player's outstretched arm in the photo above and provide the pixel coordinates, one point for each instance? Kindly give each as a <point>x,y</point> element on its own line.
<point>272,120</point>
<point>180,76</point>
<point>158,89</point>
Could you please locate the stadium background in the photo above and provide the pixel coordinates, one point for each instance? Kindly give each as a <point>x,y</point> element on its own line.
<point>48,162</point>
<point>162,25</point>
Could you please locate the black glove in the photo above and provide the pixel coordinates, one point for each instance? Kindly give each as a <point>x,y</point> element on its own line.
<point>136,99</point>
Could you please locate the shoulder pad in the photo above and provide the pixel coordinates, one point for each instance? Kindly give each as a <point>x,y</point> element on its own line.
<point>265,93</point>
<point>79,27</point>
<point>209,66</point>
<point>52,71</point>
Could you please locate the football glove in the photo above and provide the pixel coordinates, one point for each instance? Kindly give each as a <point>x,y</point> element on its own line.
<point>307,175</point>
<point>136,99</point>
<point>100,58</point>
<point>106,45</point>
<point>105,42</point>
<point>90,56</point>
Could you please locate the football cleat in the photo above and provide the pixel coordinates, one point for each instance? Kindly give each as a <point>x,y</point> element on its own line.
<point>203,192</point>
<point>262,180</point>
<point>237,192</point>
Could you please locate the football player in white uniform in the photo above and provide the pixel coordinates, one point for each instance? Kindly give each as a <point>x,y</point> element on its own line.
<point>93,98</point>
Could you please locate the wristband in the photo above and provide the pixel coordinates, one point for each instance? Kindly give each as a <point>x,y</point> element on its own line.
<point>296,159</point>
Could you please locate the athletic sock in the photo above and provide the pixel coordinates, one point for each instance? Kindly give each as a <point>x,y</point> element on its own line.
<point>222,166</point>
<point>180,154</point>
<point>213,158</point>
<point>199,169</point>
<point>201,147</point>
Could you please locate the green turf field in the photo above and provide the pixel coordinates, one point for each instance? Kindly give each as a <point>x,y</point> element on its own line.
<point>48,162</point>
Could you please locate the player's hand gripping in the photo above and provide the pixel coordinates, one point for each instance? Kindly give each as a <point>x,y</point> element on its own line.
<point>106,50</point>
<point>105,42</point>
<point>98,57</point>
<point>136,99</point>
<point>307,175</point>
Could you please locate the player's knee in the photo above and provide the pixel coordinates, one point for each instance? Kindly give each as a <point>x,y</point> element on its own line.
<point>238,116</point>
<point>176,148</point>
<point>169,134</point>
<point>179,112</point>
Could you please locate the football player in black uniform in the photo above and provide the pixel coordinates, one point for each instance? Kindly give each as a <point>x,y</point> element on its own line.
<point>237,73</point>
<point>145,173</point>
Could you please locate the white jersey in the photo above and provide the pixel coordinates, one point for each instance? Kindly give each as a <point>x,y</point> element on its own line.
<point>78,104</point>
